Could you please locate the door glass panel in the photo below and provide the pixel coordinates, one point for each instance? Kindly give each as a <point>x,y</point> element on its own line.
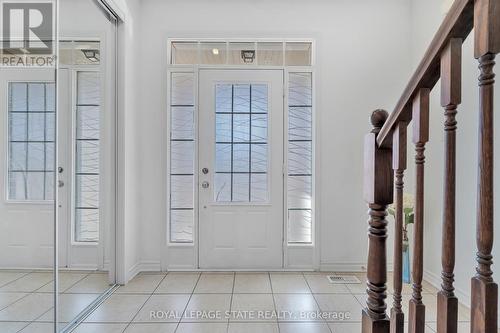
<point>31,141</point>
<point>87,151</point>
<point>241,134</point>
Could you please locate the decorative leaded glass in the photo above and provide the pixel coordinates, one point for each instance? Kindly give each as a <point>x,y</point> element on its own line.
<point>300,150</point>
<point>241,148</point>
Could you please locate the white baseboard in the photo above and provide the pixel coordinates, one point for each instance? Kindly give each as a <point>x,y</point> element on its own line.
<point>83,267</point>
<point>150,266</point>
<point>143,266</point>
<point>190,269</point>
<point>27,268</point>
<point>346,267</point>
<point>132,272</point>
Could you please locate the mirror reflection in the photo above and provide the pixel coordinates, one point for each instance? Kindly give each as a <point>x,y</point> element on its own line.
<point>86,150</point>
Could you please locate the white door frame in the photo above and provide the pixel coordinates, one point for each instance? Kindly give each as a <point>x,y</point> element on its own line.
<point>184,256</point>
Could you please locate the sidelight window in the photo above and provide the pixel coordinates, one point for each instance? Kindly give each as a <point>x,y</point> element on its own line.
<point>300,149</point>
<point>182,141</point>
<point>87,157</point>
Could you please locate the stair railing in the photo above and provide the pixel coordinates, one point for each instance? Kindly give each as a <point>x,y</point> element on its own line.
<point>386,161</point>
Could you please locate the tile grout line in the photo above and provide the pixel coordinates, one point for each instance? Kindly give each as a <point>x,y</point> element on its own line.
<point>151,295</point>
<point>24,274</point>
<point>189,300</point>
<point>315,300</point>
<point>41,315</point>
<point>22,328</point>
<point>274,301</point>
<point>17,300</point>
<point>74,284</point>
<point>29,293</point>
<point>51,308</point>
<point>231,302</point>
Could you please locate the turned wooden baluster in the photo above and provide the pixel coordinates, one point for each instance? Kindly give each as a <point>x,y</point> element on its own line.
<point>378,193</point>
<point>399,165</point>
<point>486,45</point>
<point>451,72</point>
<point>420,137</point>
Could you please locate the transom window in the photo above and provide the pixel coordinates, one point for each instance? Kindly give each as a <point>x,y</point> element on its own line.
<point>241,163</point>
<point>243,52</point>
<point>31,141</point>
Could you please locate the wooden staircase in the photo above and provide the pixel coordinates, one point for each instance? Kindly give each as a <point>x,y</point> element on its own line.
<point>385,163</point>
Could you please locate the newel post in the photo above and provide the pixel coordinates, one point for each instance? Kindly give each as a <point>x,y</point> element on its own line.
<point>486,46</point>
<point>378,193</point>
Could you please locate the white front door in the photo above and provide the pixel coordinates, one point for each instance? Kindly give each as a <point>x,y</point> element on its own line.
<point>27,123</point>
<point>241,169</point>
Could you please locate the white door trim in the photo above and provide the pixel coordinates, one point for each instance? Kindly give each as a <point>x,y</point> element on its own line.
<point>184,256</point>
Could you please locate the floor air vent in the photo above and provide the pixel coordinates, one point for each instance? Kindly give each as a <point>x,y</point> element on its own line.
<point>343,279</point>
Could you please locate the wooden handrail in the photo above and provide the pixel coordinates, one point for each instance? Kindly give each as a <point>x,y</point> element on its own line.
<point>458,24</point>
<point>387,142</point>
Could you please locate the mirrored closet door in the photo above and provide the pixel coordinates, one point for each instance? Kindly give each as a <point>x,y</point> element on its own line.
<point>27,168</point>
<point>86,158</point>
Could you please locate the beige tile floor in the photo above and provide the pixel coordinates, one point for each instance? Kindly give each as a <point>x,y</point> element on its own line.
<point>177,298</point>
<point>26,298</point>
<point>182,294</point>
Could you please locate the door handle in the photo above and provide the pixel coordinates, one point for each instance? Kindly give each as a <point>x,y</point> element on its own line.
<point>205,184</point>
<point>60,183</point>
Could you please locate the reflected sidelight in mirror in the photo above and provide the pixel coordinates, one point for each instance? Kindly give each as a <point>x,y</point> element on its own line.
<point>86,93</point>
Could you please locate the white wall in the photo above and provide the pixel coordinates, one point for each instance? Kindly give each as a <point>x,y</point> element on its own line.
<point>363,63</point>
<point>128,231</point>
<point>426,17</point>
